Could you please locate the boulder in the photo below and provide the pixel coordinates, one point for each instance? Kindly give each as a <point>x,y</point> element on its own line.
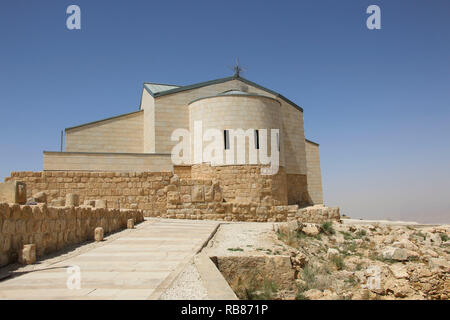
<point>299,260</point>
<point>405,244</point>
<point>393,253</point>
<point>439,263</point>
<point>288,227</point>
<point>433,239</point>
<point>399,271</point>
<point>310,229</point>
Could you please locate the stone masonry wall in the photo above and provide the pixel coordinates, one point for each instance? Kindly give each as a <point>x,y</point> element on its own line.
<point>53,228</point>
<point>245,184</point>
<point>145,190</point>
<point>224,193</point>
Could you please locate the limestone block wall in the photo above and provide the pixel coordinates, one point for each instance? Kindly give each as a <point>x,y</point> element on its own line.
<point>245,183</point>
<point>230,193</point>
<point>237,112</point>
<point>297,189</point>
<point>314,173</point>
<point>148,106</point>
<point>53,228</point>
<point>171,112</point>
<point>109,162</point>
<point>119,189</point>
<point>119,134</point>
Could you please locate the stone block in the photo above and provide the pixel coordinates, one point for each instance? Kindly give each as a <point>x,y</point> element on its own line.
<point>72,200</point>
<point>40,197</point>
<point>130,224</point>
<point>13,192</point>
<point>101,204</point>
<point>173,197</point>
<point>28,254</point>
<point>59,202</point>
<point>98,234</point>
<point>198,194</point>
<point>90,203</point>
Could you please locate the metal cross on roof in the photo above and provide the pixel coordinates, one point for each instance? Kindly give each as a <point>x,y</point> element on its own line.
<point>238,68</point>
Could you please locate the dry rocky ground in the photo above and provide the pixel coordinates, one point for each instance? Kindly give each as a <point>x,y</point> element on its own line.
<point>333,260</point>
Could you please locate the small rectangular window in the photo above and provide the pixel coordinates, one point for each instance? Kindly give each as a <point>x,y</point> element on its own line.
<point>256,139</point>
<point>278,141</point>
<point>226,139</point>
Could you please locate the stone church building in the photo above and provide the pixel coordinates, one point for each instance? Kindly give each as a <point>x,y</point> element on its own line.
<point>142,141</point>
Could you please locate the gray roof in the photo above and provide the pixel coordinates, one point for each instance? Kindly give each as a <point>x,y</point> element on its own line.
<point>176,89</point>
<point>158,88</point>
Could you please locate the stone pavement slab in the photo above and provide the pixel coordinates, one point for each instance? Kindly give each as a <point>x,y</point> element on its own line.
<point>140,264</point>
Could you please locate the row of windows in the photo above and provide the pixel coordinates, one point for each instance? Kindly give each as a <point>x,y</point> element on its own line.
<point>226,139</point>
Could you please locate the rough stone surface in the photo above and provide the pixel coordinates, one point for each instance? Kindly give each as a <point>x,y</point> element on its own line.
<point>72,200</point>
<point>310,229</point>
<point>53,228</point>
<point>206,193</point>
<point>130,224</point>
<point>28,254</point>
<point>13,192</point>
<point>98,234</point>
<point>40,197</point>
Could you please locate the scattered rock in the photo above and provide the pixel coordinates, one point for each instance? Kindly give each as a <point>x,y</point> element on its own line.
<point>399,271</point>
<point>395,254</point>
<point>313,294</point>
<point>332,252</point>
<point>310,229</point>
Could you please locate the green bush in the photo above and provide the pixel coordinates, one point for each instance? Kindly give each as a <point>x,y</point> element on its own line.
<point>327,227</point>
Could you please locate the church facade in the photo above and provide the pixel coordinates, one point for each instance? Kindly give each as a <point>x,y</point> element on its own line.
<point>169,133</point>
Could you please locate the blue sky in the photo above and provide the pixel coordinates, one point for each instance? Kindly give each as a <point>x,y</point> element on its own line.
<point>377,101</point>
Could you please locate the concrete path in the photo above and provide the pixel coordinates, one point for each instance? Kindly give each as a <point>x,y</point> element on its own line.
<point>139,264</point>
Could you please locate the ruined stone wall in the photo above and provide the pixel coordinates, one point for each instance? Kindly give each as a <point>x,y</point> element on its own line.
<point>119,189</point>
<point>245,184</point>
<point>228,193</point>
<point>53,228</point>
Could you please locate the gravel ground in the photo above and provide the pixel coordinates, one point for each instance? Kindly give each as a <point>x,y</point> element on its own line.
<point>243,238</point>
<point>188,286</point>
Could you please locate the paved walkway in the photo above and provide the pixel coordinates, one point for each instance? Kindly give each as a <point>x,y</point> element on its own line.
<point>139,264</point>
